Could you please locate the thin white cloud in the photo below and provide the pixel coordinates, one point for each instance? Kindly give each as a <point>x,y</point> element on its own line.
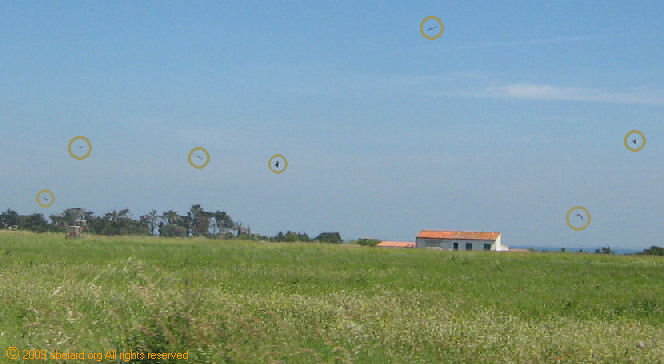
<point>551,92</point>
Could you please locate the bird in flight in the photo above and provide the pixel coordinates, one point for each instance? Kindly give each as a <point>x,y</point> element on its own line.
<point>199,156</point>
<point>580,216</point>
<point>435,27</point>
<point>634,141</point>
<point>276,164</point>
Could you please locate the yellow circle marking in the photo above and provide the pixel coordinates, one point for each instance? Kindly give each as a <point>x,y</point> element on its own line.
<point>13,353</point>
<point>578,208</point>
<point>642,137</point>
<point>50,193</point>
<point>442,27</point>
<point>207,158</point>
<point>269,163</point>
<point>85,140</point>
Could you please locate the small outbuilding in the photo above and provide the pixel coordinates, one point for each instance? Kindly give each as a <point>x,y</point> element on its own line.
<point>460,240</point>
<point>396,244</point>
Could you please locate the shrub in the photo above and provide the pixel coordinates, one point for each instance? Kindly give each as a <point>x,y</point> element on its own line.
<point>173,230</point>
<point>654,250</point>
<point>605,250</point>
<point>333,238</point>
<point>368,242</point>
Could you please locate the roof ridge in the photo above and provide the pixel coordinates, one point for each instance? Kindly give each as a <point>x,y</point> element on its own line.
<point>460,231</point>
<point>460,235</point>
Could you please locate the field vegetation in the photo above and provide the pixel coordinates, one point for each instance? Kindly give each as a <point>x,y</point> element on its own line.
<point>254,302</point>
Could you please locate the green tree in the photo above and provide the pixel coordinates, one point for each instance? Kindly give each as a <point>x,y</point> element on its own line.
<point>152,219</point>
<point>119,223</point>
<point>238,228</point>
<point>9,218</point>
<point>291,237</point>
<point>224,222</point>
<point>330,237</point>
<point>68,217</point>
<point>34,222</point>
<point>604,250</point>
<point>173,230</point>
<point>96,224</point>
<point>654,250</point>
<point>200,222</point>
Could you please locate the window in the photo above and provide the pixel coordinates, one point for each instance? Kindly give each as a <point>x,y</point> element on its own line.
<point>487,246</point>
<point>456,246</point>
<point>469,246</point>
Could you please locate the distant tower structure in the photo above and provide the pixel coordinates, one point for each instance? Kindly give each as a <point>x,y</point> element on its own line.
<point>80,224</point>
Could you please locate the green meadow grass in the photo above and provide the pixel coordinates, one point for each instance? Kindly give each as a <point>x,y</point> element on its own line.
<point>249,302</point>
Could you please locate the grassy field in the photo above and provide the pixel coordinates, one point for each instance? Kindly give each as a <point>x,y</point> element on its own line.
<point>233,301</point>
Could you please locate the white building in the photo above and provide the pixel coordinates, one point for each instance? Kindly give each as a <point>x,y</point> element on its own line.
<point>459,240</point>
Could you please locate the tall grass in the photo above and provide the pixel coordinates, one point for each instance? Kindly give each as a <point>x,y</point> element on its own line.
<point>233,301</point>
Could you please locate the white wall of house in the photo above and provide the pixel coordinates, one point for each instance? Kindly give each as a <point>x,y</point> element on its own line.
<point>500,246</point>
<point>448,244</point>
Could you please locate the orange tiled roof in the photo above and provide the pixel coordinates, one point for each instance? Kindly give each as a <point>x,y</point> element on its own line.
<point>397,244</point>
<point>457,235</point>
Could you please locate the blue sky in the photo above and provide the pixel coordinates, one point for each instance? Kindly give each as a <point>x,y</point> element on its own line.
<point>513,116</point>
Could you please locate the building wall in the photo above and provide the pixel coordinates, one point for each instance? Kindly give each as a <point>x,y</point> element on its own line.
<point>447,244</point>
<point>500,246</point>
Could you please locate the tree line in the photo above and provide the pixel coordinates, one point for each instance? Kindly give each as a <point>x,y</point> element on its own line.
<point>197,222</point>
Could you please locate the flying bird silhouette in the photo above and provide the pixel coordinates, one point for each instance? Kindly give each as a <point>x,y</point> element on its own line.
<point>634,141</point>
<point>276,164</point>
<point>580,216</point>
<point>432,28</point>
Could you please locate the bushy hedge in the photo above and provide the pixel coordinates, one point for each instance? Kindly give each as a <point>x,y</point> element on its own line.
<point>654,250</point>
<point>368,242</point>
